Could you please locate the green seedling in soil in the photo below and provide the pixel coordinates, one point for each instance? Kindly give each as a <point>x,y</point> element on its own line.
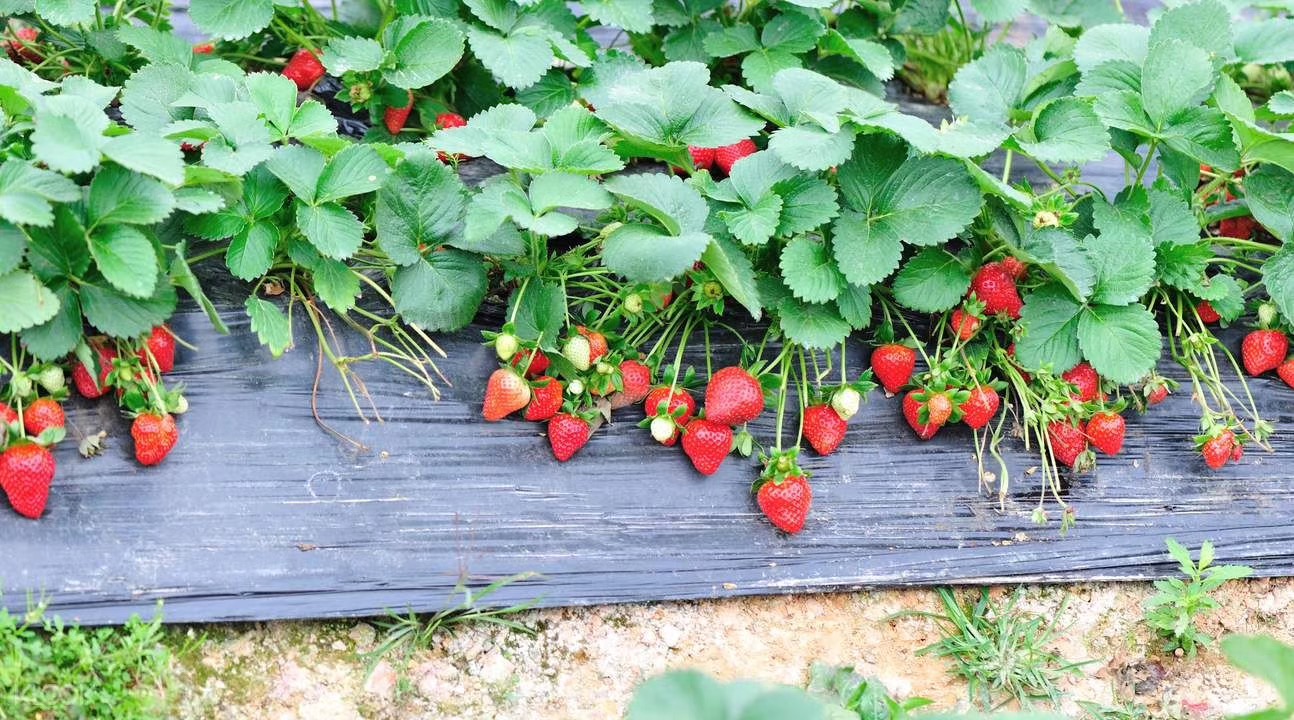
<point>1126,710</point>
<point>1175,610</point>
<point>1002,652</point>
<point>863,698</point>
<point>402,635</point>
<point>50,669</point>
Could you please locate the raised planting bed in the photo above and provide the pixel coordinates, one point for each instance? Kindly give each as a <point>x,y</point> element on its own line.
<point>434,271</point>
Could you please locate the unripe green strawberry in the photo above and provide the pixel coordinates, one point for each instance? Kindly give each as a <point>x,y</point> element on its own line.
<point>634,304</point>
<point>663,430</point>
<point>575,388</point>
<point>506,345</point>
<point>22,385</point>
<point>52,379</point>
<point>578,352</point>
<point>846,402</point>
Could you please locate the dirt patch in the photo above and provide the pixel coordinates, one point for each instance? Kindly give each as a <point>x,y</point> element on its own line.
<point>585,662</point>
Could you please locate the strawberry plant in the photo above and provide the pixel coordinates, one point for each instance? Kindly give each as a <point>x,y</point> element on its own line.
<point>733,171</point>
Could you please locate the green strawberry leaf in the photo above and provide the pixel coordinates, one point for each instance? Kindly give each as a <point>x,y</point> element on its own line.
<point>1224,293</point>
<point>1266,41</point>
<point>757,223</point>
<point>673,106</point>
<point>1204,24</point>
<point>855,305</point>
<point>120,196</point>
<point>26,194</point>
<point>441,292</point>
<point>1205,135</point>
<point>807,204</point>
<point>735,272</point>
<point>332,229</point>
<point>647,253</point>
<point>231,19</point>
<point>58,336</point>
<point>1278,278</point>
<point>356,170</point>
<point>1122,256</point>
<point>987,89</point>
<point>425,49</point>
<point>252,250</point>
<point>1171,220</point>
<point>1121,342</point>
<point>816,327</point>
<point>148,155</point>
<point>336,284</point>
<point>66,12</point>
<point>126,258</point>
<point>868,53</point>
<point>1176,76</point>
<point>630,15</point>
<point>517,60</point>
<point>1270,193</point>
<point>351,54</point>
<point>270,324</point>
<point>538,312</point>
<point>1065,131</point>
<point>156,46</point>
<point>864,256</point>
<point>182,276</point>
<point>421,205</point>
<point>1060,256</point>
<point>13,246</point>
<point>122,316</point>
<point>1049,323</point>
<point>809,270</point>
<point>1105,43</point>
<point>299,168</point>
<point>932,281</point>
<point>24,302</point>
<point>1182,266</point>
<point>69,134</point>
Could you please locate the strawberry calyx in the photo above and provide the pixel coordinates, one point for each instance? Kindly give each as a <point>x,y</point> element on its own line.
<point>779,466</point>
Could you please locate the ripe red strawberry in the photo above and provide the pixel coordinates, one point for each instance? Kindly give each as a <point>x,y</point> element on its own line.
<point>597,343</point>
<point>893,365</point>
<point>1068,442</point>
<point>395,117</point>
<point>1207,313</point>
<point>1106,430</point>
<point>42,415</point>
<point>1219,449</point>
<point>912,413</point>
<point>204,49</point>
<point>505,393</point>
<point>567,434</point>
<point>1241,228</point>
<point>1157,395</point>
<point>654,405</point>
<point>728,155</point>
<point>86,383</point>
<point>1263,350</point>
<point>26,472</point>
<point>965,324</point>
<point>824,428</point>
<point>1286,371</point>
<point>1084,377</point>
<point>545,399</point>
<point>702,158</point>
<point>8,416</point>
<point>636,378</point>
<point>450,120</point>
<point>995,287</point>
<point>155,436</point>
<point>161,343</point>
<point>980,407</point>
<point>786,503</point>
<point>707,444</point>
<point>661,404</point>
<point>1014,267</point>
<point>22,48</point>
<point>733,397</point>
<point>534,368</point>
<point>304,69</point>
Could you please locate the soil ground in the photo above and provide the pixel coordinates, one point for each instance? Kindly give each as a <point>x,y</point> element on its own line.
<point>584,662</point>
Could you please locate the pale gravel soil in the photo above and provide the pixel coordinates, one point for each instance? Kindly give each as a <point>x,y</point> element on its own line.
<point>584,662</point>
